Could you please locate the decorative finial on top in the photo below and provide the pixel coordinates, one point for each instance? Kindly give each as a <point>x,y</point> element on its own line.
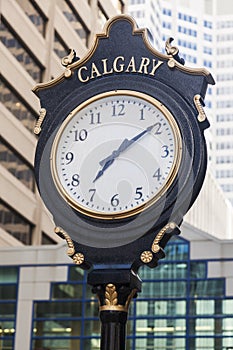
<point>70,58</point>
<point>173,50</point>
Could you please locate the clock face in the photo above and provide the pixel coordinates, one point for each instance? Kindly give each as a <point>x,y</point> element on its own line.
<point>116,154</point>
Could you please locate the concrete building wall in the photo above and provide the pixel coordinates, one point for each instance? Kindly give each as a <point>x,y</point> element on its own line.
<point>35,36</point>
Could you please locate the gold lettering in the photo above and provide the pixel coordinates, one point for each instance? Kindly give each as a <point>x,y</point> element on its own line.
<point>145,61</point>
<point>155,66</point>
<point>118,68</point>
<point>105,66</point>
<point>81,78</point>
<point>94,70</point>
<point>131,65</point>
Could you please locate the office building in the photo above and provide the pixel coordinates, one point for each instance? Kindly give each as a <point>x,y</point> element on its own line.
<point>34,37</point>
<point>186,302</point>
<point>203,32</point>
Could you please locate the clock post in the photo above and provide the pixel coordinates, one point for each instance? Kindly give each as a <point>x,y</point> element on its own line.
<point>120,159</point>
<point>114,299</point>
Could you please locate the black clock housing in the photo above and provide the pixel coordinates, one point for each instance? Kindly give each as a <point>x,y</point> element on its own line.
<point>122,58</point>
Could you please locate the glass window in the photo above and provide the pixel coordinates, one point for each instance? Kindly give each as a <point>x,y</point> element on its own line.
<point>75,274</point>
<point>228,306</point>
<point>8,295</point>
<point>16,165</point>
<point>67,291</point>
<point>167,12</point>
<point>207,50</point>
<point>187,18</point>
<point>15,104</point>
<point>224,117</point>
<point>15,224</point>
<point>8,291</point>
<point>7,331</point>
<point>169,289</point>
<point>207,37</point>
<point>207,24</point>
<point>102,17</point>
<point>8,274</point>
<point>92,327</point>
<point>205,343</point>
<point>47,240</point>
<point>34,14</point>
<point>91,308</point>
<point>57,328</point>
<point>198,269</point>
<point>60,48</point>
<point>92,344</point>
<point>160,307</point>
<point>57,344</point>
<point>58,309</point>
<point>19,51</point>
<point>74,19</point>
<point>204,288</point>
<point>166,271</point>
<point>207,63</point>
<point>7,310</point>
<point>205,307</point>
<point>228,326</point>
<point>177,249</point>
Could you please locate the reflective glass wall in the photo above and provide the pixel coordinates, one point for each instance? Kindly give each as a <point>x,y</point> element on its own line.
<point>179,308</point>
<point>8,303</point>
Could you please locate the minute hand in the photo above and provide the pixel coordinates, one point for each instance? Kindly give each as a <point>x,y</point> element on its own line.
<point>124,145</point>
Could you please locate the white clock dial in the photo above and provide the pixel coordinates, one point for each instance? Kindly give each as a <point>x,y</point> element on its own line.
<point>116,154</point>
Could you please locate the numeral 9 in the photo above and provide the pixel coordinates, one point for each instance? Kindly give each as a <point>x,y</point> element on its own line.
<point>69,157</point>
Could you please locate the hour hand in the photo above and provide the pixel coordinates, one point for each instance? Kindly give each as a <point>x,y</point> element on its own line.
<point>105,163</point>
<point>125,144</point>
<point>105,166</point>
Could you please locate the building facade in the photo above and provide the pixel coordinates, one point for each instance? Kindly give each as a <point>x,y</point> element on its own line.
<point>186,302</point>
<point>34,37</point>
<point>203,32</point>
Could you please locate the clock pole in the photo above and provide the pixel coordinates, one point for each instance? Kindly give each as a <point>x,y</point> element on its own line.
<point>114,300</point>
<point>123,93</point>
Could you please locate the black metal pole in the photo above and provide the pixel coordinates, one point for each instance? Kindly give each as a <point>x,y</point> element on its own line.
<point>115,289</point>
<point>113,334</point>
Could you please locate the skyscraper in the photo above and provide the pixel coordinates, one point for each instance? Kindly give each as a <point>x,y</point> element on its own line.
<point>203,32</point>
<point>34,37</point>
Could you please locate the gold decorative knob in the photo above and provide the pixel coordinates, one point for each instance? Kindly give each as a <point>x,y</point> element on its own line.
<point>78,258</point>
<point>146,256</point>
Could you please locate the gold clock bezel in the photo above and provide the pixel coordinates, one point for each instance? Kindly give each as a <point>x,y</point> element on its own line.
<point>141,207</point>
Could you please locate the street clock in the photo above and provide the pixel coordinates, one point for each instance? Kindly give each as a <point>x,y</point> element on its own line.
<point>121,157</point>
<point>121,154</point>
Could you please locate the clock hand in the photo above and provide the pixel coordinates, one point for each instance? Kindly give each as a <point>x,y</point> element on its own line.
<point>125,144</point>
<point>105,166</point>
<point>105,163</point>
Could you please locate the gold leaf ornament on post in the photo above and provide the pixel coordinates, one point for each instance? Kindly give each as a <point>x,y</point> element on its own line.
<point>111,299</point>
<point>111,295</point>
